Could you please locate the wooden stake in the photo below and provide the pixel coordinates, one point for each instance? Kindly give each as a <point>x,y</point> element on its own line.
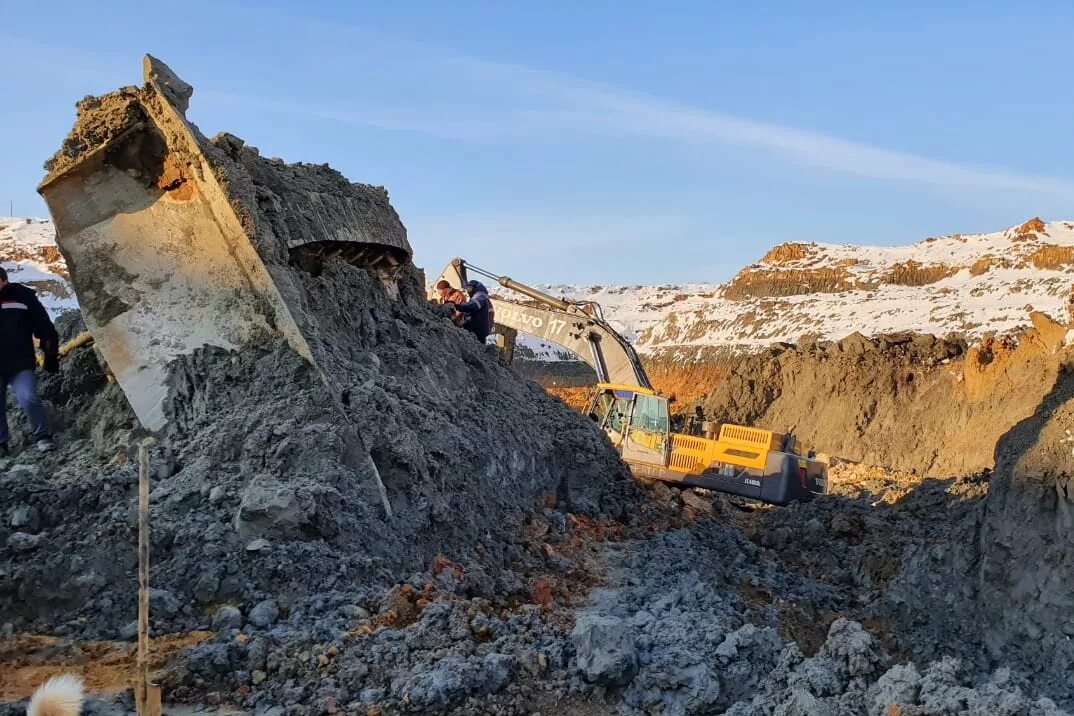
<point>146,694</point>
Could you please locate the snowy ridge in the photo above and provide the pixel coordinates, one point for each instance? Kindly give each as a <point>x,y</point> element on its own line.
<point>963,284</point>
<point>968,284</point>
<point>28,252</point>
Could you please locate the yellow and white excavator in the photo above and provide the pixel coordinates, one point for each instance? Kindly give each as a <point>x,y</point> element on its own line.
<point>740,460</point>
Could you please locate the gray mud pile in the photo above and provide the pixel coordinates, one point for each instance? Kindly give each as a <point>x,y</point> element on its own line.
<point>775,612</point>
<point>911,402</point>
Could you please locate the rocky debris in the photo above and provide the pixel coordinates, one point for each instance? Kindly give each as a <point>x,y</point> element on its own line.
<point>227,618</point>
<point>750,627</point>
<point>847,679</point>
<point>23,542</point>
<point>25,517</point>
<point>268,508</point>
<point>701,645</point>
<point>429,646</point>
<point>748,611</point>
<point>264,613</point>
<point>164,603</point>
<point>604,650</point>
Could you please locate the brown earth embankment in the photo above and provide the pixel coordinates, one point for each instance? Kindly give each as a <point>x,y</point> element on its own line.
<point>909,402</point>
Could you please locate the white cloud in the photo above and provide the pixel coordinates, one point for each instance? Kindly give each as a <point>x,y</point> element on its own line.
<point>648,115</point>
<point>507,103</point>
<point>453,96</point>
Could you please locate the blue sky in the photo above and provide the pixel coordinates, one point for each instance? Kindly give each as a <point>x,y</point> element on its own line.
<point>598,142</point>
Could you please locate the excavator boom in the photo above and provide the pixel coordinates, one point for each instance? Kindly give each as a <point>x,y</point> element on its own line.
<point>575,326</point>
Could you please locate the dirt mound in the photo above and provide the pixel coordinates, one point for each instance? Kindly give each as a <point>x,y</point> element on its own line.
<point>260,490</point>
<point>995,587</point>
<point>912,402</point>
<point>1032,226</point>
<point>949,568</point>
<point>967,574</point>
<point>760,282</point>
<point>267,479</point>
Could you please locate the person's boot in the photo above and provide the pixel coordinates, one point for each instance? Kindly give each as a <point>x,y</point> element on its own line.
<point>45,445</point>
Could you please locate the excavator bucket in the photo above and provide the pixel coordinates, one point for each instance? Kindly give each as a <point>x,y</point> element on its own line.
<point>166,241</point>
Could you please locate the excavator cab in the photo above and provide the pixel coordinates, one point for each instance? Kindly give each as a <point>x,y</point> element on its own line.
<point>636,420</point>
<point>648,436</point>
<point>610,409</point>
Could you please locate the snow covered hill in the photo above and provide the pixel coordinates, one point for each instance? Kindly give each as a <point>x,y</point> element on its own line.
<point>28,252</point>
<point>966,284</point>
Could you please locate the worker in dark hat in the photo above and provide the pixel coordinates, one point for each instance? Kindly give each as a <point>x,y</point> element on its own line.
<point>23,318</point>
<point>478,310</point>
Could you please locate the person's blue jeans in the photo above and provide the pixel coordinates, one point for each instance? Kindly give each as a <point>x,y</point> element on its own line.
<point>24,383</point>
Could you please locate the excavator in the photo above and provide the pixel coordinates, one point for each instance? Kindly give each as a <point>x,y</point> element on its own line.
<point>739,460</point>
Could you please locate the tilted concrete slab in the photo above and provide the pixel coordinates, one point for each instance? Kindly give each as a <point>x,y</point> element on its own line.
<point>160,230</point>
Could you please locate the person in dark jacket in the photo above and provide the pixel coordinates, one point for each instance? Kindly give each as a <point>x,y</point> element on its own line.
<point>23,318</point>
<point>476,310</point>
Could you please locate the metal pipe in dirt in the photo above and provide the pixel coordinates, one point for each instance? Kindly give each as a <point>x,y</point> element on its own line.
<point>147,695</point>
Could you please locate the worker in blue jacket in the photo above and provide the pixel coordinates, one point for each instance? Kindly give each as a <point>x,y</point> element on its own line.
<point>476,310</point>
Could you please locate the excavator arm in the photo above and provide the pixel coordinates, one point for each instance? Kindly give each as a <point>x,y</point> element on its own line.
<point>576,326</point>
